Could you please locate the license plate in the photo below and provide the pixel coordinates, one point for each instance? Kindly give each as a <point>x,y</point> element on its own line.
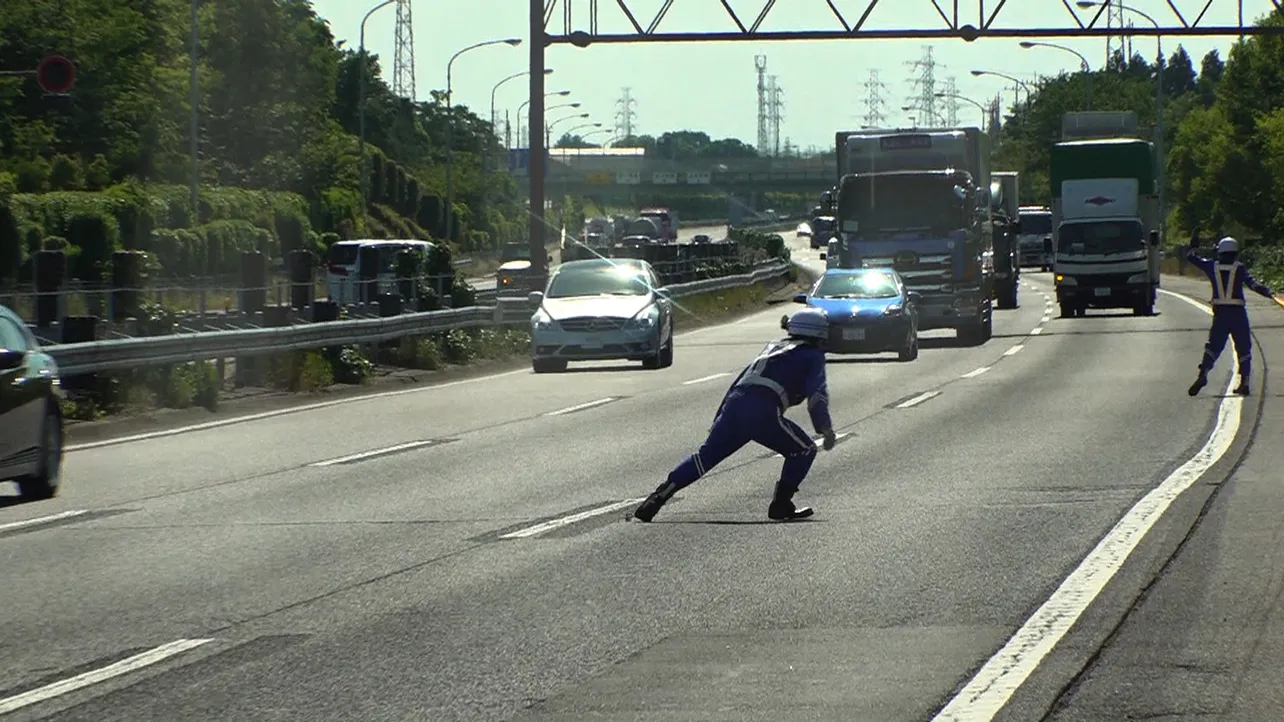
<point>1101,291</point>
<point>591,344</point>
<point>853,334</point>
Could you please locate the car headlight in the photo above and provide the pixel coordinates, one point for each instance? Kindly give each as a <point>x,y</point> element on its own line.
<point>647,318</point>
<point>1137,278</point>
<point>541,321</point>
<point>893,310</point>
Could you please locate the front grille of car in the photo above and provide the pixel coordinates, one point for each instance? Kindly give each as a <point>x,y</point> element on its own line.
<point>591,324</point>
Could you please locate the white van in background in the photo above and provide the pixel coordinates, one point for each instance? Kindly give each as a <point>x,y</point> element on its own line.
<point>343,271</point>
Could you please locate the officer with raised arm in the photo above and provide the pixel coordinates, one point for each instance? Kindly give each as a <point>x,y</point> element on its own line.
<point>1229,276</point>
<point>785,374</point>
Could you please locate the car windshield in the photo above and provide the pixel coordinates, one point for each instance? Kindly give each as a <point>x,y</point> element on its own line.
<point>1100,237</point>
<point>873,205</point>
<point>856,285</point>
<point>1036,223</point>
<point>598,280</point>
<point>515,252</point>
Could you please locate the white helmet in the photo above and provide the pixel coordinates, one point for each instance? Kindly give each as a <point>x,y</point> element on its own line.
<point>809,323</point>
<point>1228,245</point>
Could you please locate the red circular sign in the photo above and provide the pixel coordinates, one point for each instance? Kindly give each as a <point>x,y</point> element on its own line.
<point>56,74</point>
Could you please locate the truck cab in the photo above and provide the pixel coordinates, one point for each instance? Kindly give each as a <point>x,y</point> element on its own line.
<point>1106,256</point>
<point>1036,228</point>
<point>665,219</point>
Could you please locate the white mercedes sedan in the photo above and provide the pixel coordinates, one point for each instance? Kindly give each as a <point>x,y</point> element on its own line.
<point>602,309</point>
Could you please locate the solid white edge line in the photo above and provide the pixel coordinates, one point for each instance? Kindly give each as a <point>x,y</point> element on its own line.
<point>49,519</point>
<point>975,372</point>
<point>102,674</point>
<point>993,686</point>
<point>375,452</point>
<point>581,407</point>
<point>926,395</point>
<point>702,379</point>
<point>552,524</point>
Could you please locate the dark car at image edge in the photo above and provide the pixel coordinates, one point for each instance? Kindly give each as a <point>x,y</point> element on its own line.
<point>31,423</point>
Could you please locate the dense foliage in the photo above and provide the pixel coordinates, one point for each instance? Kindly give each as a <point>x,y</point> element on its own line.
<point>107,167</point>
<point>1224,137</point>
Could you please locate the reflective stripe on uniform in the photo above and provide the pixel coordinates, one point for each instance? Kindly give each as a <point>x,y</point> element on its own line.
<point>753,375</point>
<point>1222,291</point>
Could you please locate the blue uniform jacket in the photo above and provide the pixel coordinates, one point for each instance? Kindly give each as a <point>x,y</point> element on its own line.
<point>1228,279</point>
<point>796,373</point>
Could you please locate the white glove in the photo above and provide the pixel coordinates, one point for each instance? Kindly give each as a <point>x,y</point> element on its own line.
<point>830,439</point>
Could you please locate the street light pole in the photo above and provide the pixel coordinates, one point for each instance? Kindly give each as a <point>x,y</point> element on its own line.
<point>527,102</point>
<point>985,112</point>
<point>361,106</point>
<point>1087,69</point>
<point>196,115</point>
<point>450,130</point>
<point>1021,84</point>
<point>548,129</point>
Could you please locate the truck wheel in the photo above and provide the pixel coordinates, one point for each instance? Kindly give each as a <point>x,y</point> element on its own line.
<point>1008,298</point>
<point>1146,308</point>
<point>1067,311</point>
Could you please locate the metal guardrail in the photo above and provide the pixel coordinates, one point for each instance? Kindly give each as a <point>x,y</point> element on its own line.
<point>122,354</point>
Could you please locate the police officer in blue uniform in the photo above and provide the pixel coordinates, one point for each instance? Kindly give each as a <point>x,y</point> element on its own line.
<point>785,374</point>
<point>1229,276</point>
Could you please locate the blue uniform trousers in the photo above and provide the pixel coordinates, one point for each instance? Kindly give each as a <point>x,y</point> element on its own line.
<point>1229,321</point>
<point>750,414</point>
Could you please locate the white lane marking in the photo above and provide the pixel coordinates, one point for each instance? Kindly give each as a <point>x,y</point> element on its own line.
<point>1015,349</point>
<point>702,379</point>
<point>1045,318</point>
<point>51,518</point>
<point>102,674</point>
<point>1036,330</point>
<point>1004,673</point>
<point>581,407</point>
<point>821,440</point>
<point>918,399</point>
<point>975,372</point>
<point>376,452</point>
<point>552,524</point>
<point>328,404</point>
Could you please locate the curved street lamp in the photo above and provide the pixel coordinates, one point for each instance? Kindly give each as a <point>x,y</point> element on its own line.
<point>1087,69</point>
<point>361,102</point>
<point>450,126</point>
<point>494,90</point>
<point>953,96</point>
<point>1029,89</point>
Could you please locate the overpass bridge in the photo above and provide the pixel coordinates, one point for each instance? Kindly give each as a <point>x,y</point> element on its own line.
<point>621,173</point>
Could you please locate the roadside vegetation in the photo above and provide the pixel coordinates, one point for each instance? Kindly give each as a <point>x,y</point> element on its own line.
<point>1224,136</point>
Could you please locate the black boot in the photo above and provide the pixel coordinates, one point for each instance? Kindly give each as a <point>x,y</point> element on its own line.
<point>647,509</point>
<point>1200,382</point>
<point>1242,389</point>
<point>782,506</point>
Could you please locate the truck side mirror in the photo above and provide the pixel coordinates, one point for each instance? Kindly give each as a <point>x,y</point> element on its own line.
<point>823,255</point>
<point>1154,238</point>
<point>1047,244</point>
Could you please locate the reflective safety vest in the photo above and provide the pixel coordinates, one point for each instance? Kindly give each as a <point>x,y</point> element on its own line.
<point>1222,291</point>
<point>753,376</point>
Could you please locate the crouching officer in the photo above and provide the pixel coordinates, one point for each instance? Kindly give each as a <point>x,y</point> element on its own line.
<point>1229,276</point>
<point>786,373</point>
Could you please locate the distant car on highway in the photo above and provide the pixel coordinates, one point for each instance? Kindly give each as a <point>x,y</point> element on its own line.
<point>31,428</point>
<point>344,269</point>
<point>601,309</point>
<point>869,310</point>
<point>514,272</point>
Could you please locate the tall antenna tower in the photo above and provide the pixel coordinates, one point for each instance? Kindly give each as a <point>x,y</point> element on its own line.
<point>775,106</point>
<point>764,123</point>
<point>951,92</point>
<point>923,101</point>
<point>1116,42</point>
<point>874,102</point>
<point>403,63</point>
<point>625,116</point>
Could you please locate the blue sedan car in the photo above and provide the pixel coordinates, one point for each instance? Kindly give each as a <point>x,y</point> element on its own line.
<point>869,310</point>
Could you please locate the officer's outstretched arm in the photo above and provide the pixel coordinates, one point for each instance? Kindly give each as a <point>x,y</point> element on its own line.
<point>1257,285</point>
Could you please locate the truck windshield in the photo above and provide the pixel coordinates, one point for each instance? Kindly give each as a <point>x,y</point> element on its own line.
<point>1100,237</point>
<point>871,205</point>
<point>1036,224</point>
<point>515,252</point>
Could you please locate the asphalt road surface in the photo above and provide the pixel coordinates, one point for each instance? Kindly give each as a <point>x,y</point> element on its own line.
<point>460,552</point>
<point>487,283</point>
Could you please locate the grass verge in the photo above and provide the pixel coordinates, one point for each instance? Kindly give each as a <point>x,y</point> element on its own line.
<point>110,404</point>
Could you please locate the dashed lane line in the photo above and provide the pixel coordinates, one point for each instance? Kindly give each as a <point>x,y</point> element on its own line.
<point>915,401</point>
<point>703,379</point>
<point>41,520</point>
<point>560,522</point>
<point>102,674</point>
<point>362,456</point>
<point>994,685</point>
<point>1014,350</point>
<point>583,406</point>
<point>975,372</point>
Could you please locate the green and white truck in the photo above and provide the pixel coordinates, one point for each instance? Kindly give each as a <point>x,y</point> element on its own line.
<point>1105,240</point>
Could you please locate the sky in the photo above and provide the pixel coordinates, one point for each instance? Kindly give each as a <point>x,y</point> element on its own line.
<point>712,86</point>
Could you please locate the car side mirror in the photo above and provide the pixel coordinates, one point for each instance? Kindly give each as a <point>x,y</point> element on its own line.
<point>11,358</point>
<point>1047,244</point>
<point>800,298</point>
<point>823,255</point>
<point>914,296</point>
<point>550,258</point>
<point>535,298</point>
<point>784,323</point>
